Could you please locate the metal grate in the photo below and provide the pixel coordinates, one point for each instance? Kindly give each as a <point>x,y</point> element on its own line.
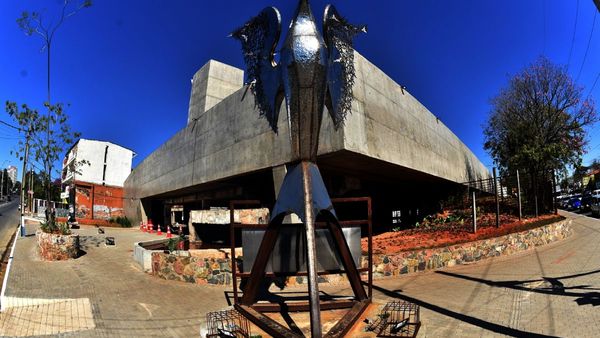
<point>399,319</point>
<point>227,323</point>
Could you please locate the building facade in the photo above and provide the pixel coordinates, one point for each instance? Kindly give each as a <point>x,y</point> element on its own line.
<point>93,176</point>
<point>390,148</point>
<point>12,173</point>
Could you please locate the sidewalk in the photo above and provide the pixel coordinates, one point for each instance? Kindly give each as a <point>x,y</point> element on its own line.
<point>552,290</point>
<point>103,293</point>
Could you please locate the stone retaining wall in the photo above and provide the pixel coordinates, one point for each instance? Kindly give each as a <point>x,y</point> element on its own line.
<point>431,259</point>
<point>199,270</point>
<point>214,270</point>
<point>54,247</point>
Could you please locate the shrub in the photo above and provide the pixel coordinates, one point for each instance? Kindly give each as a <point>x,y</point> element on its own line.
<point>124,222</point>
<point>53,227</point>
<point>172,244</point>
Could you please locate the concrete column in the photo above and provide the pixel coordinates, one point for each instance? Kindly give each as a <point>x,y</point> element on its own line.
<point>279,173</point>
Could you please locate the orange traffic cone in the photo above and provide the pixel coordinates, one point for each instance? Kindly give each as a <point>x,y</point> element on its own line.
<point>150,226</point>
<point>159,230</point>
<point>169,232</point>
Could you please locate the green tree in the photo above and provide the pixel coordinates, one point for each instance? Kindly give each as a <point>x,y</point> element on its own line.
<point>49,136</point>
<point>538,120</point>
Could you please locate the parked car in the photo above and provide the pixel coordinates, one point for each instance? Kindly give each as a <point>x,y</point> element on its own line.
<point>575,203</point>
<point>586,202</point>
<point>595,207</point>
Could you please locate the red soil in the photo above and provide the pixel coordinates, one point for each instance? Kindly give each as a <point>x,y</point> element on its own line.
<point>450,234</point>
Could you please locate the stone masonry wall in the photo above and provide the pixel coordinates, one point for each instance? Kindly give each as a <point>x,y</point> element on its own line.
<point>199,270</point>
<point>218,270</point>
<point>431,259</point>
<point>55,247</point>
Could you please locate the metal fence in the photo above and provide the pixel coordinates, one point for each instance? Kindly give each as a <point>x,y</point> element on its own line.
<point>39,208</point>
<point>502,199</point>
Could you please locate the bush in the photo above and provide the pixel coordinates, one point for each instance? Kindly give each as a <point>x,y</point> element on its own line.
<point>172,244</point>
<point>124,222</point>
<point>53,227</point>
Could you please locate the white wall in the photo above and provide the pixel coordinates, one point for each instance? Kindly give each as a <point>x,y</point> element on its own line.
<point>118,162</point>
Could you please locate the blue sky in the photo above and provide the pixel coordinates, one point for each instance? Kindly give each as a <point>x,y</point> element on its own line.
<point>125,66</point>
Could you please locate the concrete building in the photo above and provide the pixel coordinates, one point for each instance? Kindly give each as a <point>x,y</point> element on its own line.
<point>391,148</point>
<point>95,171</point>
<point>12,173</point>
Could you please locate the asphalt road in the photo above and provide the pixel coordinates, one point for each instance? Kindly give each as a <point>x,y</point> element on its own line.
<point>9,220</point>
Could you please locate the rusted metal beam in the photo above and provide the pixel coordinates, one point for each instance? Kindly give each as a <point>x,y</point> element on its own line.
<point>351,270</point>
<point>300,273</point>
<point>370,248</point>
<point>345,324</point>
<point>311,252</point>
<point>260,263</point>
<point>265,323</point>
<point>304,306</point>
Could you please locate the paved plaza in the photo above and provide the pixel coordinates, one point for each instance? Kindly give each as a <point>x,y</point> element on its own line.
<point>548,291</point>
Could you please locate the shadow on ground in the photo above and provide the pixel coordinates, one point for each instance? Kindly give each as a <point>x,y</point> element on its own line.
<point>500,329</point>
<point>549,286</point>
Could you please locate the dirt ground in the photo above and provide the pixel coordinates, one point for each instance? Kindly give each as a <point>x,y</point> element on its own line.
<point>449,233</point>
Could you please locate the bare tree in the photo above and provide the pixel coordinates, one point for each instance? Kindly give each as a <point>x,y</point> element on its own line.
<point>34,23</point>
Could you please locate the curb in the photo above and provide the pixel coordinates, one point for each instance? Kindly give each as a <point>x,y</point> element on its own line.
<point>3,299</point>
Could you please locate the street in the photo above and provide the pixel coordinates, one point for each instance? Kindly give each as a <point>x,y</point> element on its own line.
<point>9,220</point>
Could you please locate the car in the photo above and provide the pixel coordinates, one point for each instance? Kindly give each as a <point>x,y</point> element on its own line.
<point>595,206</point>
<point>586,202</point>
<point>575,203</point>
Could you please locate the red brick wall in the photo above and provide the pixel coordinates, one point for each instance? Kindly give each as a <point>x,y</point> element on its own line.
<point>98,202</point>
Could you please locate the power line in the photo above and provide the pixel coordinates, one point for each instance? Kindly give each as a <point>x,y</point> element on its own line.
<point>574,31</point>
<point>593,86</point>
<point>10,125</point>
<point>588,47</point>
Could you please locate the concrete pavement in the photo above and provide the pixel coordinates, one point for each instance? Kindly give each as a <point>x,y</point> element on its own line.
<point>547,291</point>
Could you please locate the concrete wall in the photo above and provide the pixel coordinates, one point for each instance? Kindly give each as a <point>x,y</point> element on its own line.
<point>388,123</point>
<point>118,163</point>
<point>93,201</point>
<point>211,84</point>
<point>230,139</point>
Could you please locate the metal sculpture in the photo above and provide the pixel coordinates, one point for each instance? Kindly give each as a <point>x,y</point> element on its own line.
<point>312,73</point>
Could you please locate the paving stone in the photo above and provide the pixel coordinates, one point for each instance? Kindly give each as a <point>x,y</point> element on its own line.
<point>550,290</point>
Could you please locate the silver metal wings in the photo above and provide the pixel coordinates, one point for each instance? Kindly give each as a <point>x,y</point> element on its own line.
<point>338,34</point>
<point>259,38</point>
<point>330,74</point>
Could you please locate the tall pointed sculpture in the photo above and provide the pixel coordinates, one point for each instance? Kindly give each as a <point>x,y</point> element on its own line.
<point>312,73</point>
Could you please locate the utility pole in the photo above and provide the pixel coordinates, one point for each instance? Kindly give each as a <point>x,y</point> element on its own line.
<point>30,190</point>
<point>23,180</point>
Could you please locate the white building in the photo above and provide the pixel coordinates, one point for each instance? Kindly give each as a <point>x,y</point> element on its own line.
<point>93,176</point>
<point>12,173</point>
<point>106,164</point>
